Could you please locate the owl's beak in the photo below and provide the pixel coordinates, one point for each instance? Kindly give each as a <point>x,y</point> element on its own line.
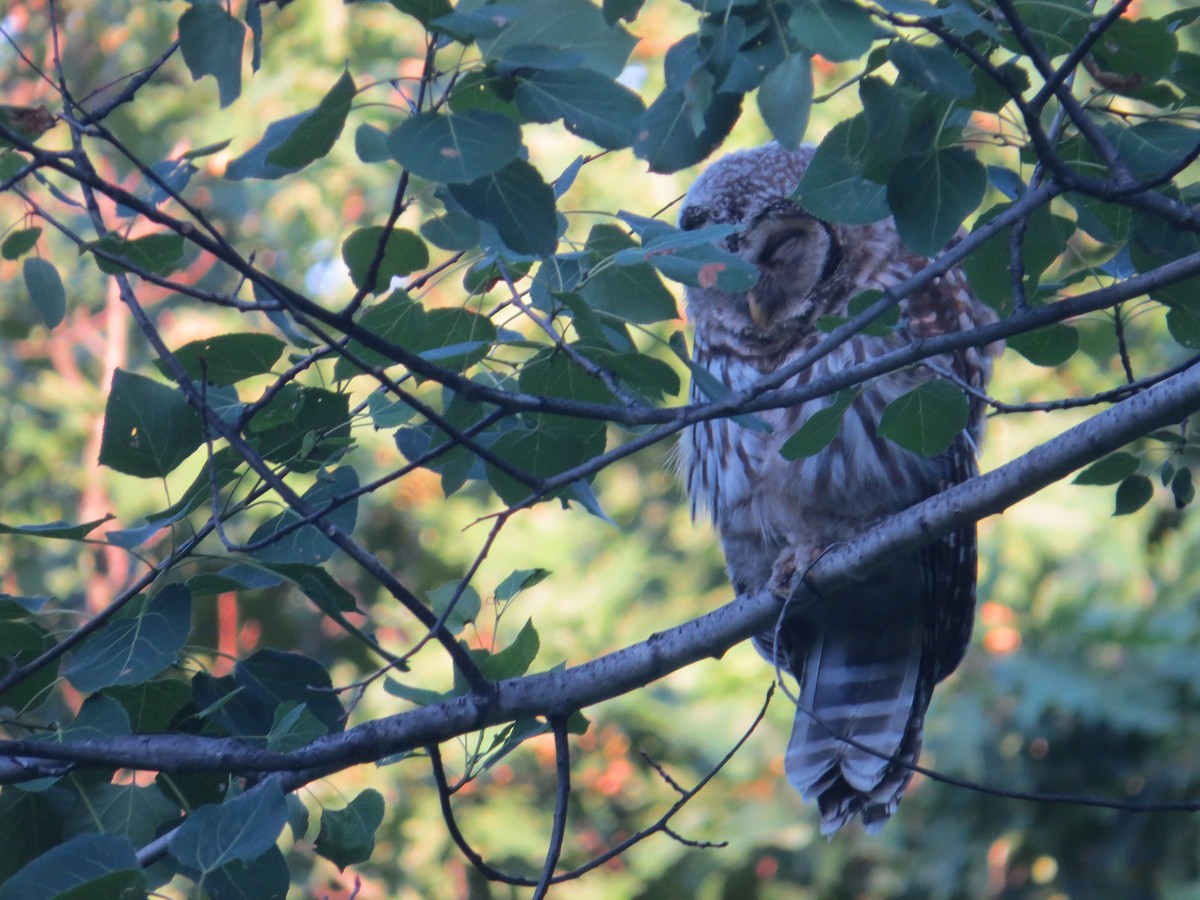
<point>762,308</point>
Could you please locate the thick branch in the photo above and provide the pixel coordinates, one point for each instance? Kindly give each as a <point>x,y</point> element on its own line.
<point>561,692</point>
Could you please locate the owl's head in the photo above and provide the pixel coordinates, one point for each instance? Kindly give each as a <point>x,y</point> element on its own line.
<point>800,258</point>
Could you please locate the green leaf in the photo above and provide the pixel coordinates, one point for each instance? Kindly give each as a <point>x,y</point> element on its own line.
<point>403,253</point>
<point>564,26</point>
<point>151,705</point>
<point>1132,494</point>
<point>1183,488</point>
<point>308,544</point>
<point>834,186</point>
<point>1183,321</point>
<point>371,144</point>
<point>632,293</point>
<point>515,659</point>
<point>45,288</point>
<point>78,867</point>
<point>135,646</point>
<point>424,11</point>
<point>1049,346</point>
<point>158,254</point>
<point>590,104</point>
<point>927,419</point>
<point>61,530</point>
<point>21,643</point>
<point>347,836</point>
<point>932,69</point>
<point>212,41</point>
<point>239,829</point>
<point>540,452</point>
<point>466,610</point>
<point>517,203</point>
<point>455,147</point>
<point>1111,469</point>
<point>667,136</point>
<point>1057,25</point>
<point>149,428</point>
<point>452,231</point>
<point>303,427</point>
<point>785,99</point>
<point>18,243</point>
<point>519,580</point>
<point>226,359</point>
<point>836,29</point>
<point>931,195</point>
<point>1144,48</point>
<point>294,727</point>
<point>989,268</point>
<point>265,877</point>
<point>820,429</point>
<point>319,586</point>
<point>318,130</point>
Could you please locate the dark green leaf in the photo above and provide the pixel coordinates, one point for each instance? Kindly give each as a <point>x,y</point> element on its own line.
<point>347,836</point>
<point>518,581</point>
<point>1183,322</point>
<point>419,696</point>
<point>21,643</point>
<point>83,860</point>
<point>834,186</point>
<point>316,133</point>
<point>517,203</point>
<point>931,68</point>
<point>1132,494</point>
<point>590,104</point>
<point>631,293</point>
<point>212,40</point>
<point>136,646</point>
<point>18,243</point>
<point>667,136</point>
<point>931,195</point>
<point>1111,469</point>
<point>453,231</point>
<point>1056,25</point>
<point>927,419</point>
<point>424,11</point>
<point>158,254</point>
<point>319,586</point>
<point>304,427</point>
<point>615,10</point>
<point>540,452</point>
<point>265,877</point>
<point>403,253</point>
<point>371,144</point>
<point>61,530</point>
<point>133,812</point>
<point>1143,48</point>
<point>149,428</point>
<point>456,147</point>
<point>1152,147</point>
<point>151,705</point>
<point>565,26</point>
<point>820,429</point>
<point>254,163</point>
<point>294,727</point>
<point>785,99</point>
<point>515,659</point>
<point>1049,346</point>
<point>466,609</point>
<point>837,29</point>
<point>308,544</point>
<point>242,828</point>
<point>227,358</point>
<point>1183,488</point>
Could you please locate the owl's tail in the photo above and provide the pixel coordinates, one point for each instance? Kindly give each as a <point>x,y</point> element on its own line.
<point>861,711</point>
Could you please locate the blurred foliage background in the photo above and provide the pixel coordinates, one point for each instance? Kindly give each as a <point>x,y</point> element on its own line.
<point>1084,677</point>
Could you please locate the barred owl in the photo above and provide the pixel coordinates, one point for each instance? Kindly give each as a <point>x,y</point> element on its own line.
<point>866,659</point>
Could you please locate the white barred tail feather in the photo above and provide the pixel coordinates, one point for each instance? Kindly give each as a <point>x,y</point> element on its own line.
<point>866,659</point>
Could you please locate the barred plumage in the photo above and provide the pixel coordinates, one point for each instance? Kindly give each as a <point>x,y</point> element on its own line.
<point>866,660</point>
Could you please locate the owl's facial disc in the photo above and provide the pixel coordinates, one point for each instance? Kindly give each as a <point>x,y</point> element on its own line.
<point>795,254</point>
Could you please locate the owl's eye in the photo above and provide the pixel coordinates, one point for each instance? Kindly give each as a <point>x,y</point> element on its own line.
<point>692,218</point>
